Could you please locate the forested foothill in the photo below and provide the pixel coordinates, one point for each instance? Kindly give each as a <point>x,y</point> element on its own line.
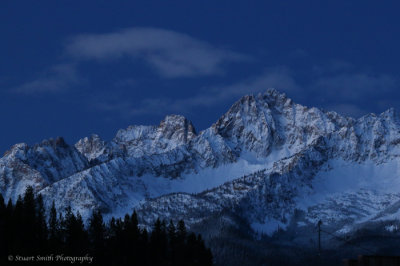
<point>30,234</point>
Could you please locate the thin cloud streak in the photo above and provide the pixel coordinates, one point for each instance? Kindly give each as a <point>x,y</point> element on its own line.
<point>356,85</point>
<point>58,78</point>
<point>171,53</point>
<point>354,93</point>
<point>338,91</point>
<point>208,97</point>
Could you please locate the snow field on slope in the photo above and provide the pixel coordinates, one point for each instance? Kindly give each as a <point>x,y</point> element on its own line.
<point>361,190</point>
<point>340,176</point>
<point>205,179</point>
<point>345,190</point>
<point>209,178</point>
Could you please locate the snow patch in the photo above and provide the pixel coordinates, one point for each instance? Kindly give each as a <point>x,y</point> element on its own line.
<point>391,228</point>
<point>339,176</point>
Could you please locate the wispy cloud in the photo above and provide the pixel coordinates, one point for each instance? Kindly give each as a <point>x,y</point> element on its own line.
<point>354,86</point>
<point>332,67</point>
<point>352,92</point>
<point>206,97</point>
<point>279,78</point>
<point>56,79</point>
<point>171,53</point>
<point>337,87</point>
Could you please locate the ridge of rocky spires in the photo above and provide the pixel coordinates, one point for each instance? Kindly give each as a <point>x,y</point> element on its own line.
<point>55,159</point>
<point>139,140</point>
<point>176,127</point>
<point>39,165</point>
<point>172,127</point>
<point>271,120</point>
<point>173,131</point>
<point>257,124</point>
<point>269,126</point>
<point>93,148</point>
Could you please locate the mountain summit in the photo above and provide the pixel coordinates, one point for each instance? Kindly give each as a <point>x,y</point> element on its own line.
<point>268,165</point>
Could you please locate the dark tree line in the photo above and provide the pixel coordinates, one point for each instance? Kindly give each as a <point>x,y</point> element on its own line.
<point>26,230</point>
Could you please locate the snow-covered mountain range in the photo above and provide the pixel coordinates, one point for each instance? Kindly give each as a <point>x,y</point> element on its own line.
<point>271,163</point>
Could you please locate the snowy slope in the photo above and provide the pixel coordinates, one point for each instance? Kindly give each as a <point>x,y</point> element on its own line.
<point>272,162</point>
<point>38,166</point>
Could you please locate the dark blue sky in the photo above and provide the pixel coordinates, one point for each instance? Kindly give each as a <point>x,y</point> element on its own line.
<point>72,68</point>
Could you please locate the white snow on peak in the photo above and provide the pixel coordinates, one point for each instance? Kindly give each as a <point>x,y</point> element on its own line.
<point>293,157</point>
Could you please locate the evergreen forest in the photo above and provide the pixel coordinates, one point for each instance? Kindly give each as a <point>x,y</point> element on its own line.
<point>30,233</point>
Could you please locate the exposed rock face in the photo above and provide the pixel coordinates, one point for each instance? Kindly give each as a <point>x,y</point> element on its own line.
<point>266,160</point>
<point>138,141</point>
<point>271,120</point>
<point>93,148</point>
<point>39,166</point>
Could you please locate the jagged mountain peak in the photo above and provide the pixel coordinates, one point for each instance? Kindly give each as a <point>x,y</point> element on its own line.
<point>173,131</point>
<point>172,127</point>
<point>270,120</point>
<point>19,146</point>
<point>274,96</point>
<point>93,147</point>
<point>250,122</point>
<point>58,142</point>
<point>21,149</point>
<point>39,165</point>
<point>390,114</point>
<point>291,144</point>
<point>133,132</point>
<point>93,139</point>
<point>177,127</point>
<point>387,119</point>
<point>17,150</point>
<point>174,118</point>
<point>253,105</point>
